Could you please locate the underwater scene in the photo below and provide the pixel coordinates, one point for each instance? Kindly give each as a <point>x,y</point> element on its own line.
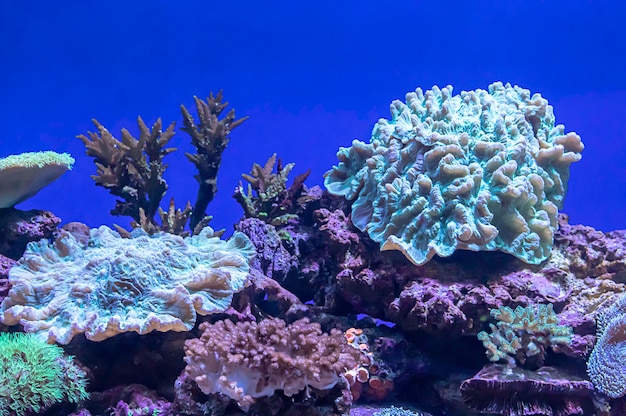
<point>359,208</point>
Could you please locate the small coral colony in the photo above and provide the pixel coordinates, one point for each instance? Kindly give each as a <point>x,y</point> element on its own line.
<point>434,271</point>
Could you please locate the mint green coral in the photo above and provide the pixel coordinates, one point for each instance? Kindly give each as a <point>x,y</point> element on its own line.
<point>524,334</point>
<point>35,375</point>
<point>483,170</point>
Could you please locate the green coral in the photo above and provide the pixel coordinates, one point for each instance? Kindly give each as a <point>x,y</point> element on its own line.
<point>268,197</point>
<point>482,170</point>
<point>524,334</point>
<point>34,375</point>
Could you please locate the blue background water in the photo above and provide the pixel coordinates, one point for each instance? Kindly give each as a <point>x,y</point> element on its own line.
<point>312,76</point>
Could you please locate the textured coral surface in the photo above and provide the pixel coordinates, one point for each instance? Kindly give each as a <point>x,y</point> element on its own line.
<point>115,285</point>
<point>483,170</point>
<point>247,360</point>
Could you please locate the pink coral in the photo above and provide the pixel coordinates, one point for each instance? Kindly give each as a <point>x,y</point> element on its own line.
<point>248,360</point>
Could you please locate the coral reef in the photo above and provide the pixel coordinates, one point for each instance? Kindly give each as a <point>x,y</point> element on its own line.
<point>34,375</point>
<point>301,313</point>
<point>210,138</point>
<point>483,170</point>
<point>114,285</point>
<point>23,175</point>
<point>523,335</point>
<point>248,360</point>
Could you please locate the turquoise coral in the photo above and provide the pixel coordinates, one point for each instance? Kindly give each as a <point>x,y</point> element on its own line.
<point>115,284</point>
<point>483,170</point>
<point>34,375</point>
<point>524,334</point>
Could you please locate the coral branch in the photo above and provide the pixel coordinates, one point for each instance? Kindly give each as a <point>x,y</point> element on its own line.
<point>131,169</point>
<point>268,197</point>
<point>210,138</point>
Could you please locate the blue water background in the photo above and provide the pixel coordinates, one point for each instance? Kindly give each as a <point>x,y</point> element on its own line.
<point>312,76</point>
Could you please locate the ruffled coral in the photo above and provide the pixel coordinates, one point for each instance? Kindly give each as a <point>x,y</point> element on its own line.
<point>249,360</point>
<point>116,285</point>
<point>484,170</point>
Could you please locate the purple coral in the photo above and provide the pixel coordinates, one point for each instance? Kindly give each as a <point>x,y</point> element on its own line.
<point>502,390</point>
<point>18,228</point>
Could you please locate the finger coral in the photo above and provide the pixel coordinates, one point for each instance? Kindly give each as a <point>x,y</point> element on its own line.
<point>115,285</point>
<point>483,170</point>
<point>248,360</point>
<point>524,333</point>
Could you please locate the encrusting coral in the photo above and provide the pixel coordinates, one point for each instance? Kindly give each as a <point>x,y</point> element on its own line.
<point>23,175</point>
<point>113,284</point>
<point>133,169</point>
<point>483,170</point>
<point>249,360</point>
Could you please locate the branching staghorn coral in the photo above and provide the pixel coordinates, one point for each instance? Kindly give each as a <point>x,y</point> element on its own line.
<point>268,197</point>
<point>132,169</point>
<point>113,284</point>
<point>524,334</point>
<point>210,137</point>
<point>248,360</point>
<point>483,170</point>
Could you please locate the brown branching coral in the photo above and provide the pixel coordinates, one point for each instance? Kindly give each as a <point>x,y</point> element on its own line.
<point>132,169</point>
<point>210,137</point>
<point>249,360</point>
<point>268,197</point>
